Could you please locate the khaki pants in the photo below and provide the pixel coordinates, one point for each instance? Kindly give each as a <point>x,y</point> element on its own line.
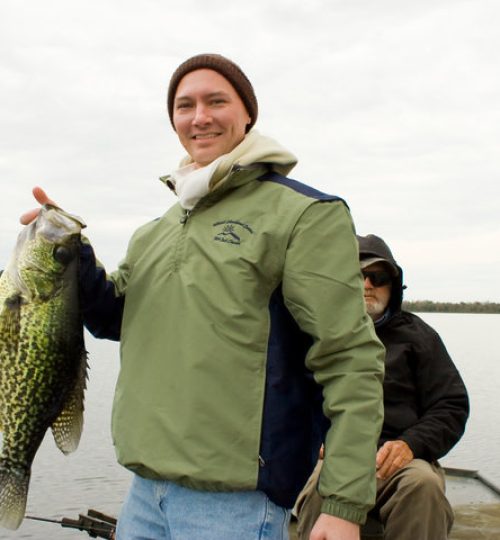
<point>411,504</point>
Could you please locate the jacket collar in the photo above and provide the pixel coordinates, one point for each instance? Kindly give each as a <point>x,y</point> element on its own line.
<point>256,152</point>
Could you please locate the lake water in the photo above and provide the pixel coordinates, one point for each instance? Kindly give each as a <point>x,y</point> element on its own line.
<point>64,486</point>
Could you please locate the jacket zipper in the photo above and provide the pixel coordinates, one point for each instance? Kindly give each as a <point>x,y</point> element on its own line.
<point>180,240</point>
<point>185,217</point>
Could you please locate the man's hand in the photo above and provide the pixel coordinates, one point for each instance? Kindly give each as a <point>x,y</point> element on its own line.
<point>334,528</point>
<point>394,455</point>
<point>42,198</point>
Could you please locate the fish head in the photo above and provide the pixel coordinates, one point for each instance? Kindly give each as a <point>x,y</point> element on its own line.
<point>44,251</point>
<point>56,226</point>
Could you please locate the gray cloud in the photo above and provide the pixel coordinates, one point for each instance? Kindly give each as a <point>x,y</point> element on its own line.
<point>393,105</point>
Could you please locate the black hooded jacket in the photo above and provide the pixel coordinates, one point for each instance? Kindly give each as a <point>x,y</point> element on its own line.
<point>425,400</point>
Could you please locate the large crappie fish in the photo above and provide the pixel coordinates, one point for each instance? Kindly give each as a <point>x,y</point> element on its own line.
<point>43,361</point>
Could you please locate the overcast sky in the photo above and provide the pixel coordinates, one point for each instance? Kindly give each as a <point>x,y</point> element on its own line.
<point>392,104</point>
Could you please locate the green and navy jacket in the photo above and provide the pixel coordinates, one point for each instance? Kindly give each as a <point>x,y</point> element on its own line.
<point>237,322</point>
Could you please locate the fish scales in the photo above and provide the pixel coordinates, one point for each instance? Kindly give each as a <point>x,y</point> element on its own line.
<point>43,361</point>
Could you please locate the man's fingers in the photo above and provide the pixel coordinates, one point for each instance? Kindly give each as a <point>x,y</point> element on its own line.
<point>397,455</point>
<point>382,454</point>
<point>29,216</point>
<point>383,471</point>
<point>386,466</point>
<point>396,464</point>
<point>41,198</point>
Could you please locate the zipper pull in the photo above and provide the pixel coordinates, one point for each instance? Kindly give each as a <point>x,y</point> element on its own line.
<point>185,217</point>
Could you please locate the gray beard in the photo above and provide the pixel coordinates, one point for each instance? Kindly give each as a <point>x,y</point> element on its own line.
<point>375,309</point>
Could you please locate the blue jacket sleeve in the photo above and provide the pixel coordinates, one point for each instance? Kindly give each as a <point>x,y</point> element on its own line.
<point>102,305</point>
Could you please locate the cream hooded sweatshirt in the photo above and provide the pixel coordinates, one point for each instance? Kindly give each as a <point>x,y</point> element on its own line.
<point>191,183</point>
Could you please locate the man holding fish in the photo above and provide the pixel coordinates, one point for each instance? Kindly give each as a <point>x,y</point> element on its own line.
<point>245,342</point>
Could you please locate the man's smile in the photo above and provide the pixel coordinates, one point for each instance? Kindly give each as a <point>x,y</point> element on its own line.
<point>203,136</point>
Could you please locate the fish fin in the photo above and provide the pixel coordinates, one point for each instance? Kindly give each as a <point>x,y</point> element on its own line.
<point>67,427</point>
<point>13,495</point>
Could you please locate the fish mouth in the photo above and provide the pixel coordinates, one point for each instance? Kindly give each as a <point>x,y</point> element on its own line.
<point>57,225</point>
<point>59,216</point>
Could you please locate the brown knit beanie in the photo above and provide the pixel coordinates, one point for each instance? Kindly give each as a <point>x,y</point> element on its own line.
<point>228,69</point>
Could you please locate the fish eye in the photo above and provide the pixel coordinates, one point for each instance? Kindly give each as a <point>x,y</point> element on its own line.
<point>62,254</point>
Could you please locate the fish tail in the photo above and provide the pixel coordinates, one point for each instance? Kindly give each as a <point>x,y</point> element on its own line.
<point>13,495</point>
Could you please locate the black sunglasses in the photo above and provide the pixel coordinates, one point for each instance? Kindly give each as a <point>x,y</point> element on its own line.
<point>378,278</point>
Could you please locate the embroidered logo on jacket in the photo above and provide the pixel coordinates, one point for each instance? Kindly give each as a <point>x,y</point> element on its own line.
<point>231,231</point>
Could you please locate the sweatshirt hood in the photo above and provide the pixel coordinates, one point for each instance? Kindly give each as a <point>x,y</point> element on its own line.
<point>254,149</point>
<point>373,249</point>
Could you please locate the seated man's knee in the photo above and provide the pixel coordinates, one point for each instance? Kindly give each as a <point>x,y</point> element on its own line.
<point>422,480</point>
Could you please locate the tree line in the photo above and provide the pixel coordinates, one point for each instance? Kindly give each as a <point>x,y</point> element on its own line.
<point>428,306</point>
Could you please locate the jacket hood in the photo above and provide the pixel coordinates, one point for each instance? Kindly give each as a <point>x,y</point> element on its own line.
<point>372,247</point>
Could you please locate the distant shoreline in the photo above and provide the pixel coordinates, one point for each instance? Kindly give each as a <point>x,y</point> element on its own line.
<point>428,306</point>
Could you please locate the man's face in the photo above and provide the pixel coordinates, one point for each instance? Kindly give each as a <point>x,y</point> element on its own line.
<point>209,116</point>
<point>376,298</point>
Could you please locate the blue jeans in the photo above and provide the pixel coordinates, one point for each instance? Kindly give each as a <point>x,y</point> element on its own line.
<point>162,510</point>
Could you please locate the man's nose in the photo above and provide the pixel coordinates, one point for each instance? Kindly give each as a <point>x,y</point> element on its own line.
<point>202,115</point>
<point>368,284</point>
